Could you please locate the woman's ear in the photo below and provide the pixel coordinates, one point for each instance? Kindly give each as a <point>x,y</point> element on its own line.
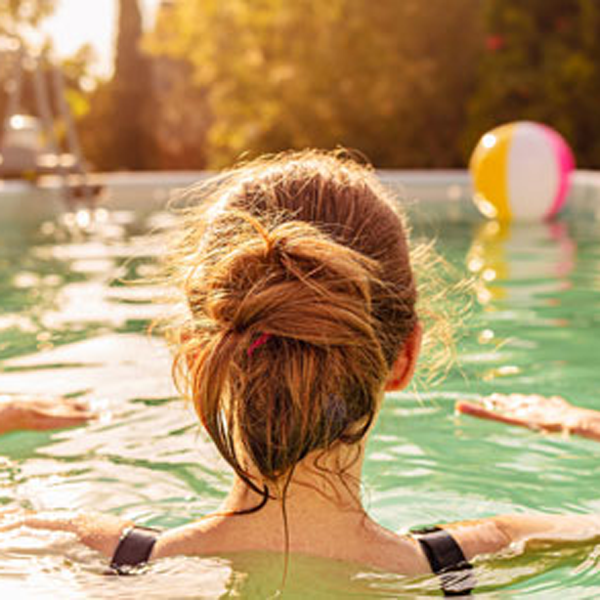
<point>404,366</point>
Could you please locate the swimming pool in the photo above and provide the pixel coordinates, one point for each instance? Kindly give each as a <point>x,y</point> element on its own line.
<point>72,322</point>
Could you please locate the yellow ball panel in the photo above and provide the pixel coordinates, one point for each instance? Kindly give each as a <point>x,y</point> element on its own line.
<point>489,168</point>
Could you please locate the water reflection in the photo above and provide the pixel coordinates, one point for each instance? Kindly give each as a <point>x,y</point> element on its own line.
<point>147,462</point>
<point>524,262</point>
<point>71,277</point>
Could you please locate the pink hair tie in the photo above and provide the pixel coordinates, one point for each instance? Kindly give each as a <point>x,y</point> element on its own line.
<point>258,342</point>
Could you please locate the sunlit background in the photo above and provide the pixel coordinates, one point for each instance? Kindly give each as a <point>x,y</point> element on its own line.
<point>79,22</point>
<point>189,84</point>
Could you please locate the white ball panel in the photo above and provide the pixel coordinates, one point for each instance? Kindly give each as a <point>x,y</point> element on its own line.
<point>533,175</point>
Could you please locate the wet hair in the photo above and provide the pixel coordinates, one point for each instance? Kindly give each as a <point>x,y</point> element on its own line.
<point>300,294</point>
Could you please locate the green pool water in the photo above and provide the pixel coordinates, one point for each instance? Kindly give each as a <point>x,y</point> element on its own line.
<point>72,322</point>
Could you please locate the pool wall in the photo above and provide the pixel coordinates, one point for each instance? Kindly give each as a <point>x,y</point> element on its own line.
<point>148,191</point>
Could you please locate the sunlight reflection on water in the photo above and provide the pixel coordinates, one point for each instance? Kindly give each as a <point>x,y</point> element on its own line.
<point>72,324</point>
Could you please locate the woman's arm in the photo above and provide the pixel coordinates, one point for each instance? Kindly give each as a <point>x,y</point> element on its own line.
<point>553,414</point>
<point>488,536</point>
<point>40,414</point>
<point>97,531</point>
<point>485,536</point>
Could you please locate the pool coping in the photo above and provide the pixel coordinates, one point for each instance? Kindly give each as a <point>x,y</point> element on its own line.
<point>151,190</point>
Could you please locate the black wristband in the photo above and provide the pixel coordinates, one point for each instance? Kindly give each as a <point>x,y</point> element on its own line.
<point>134,549</point>
<point>446,560</point>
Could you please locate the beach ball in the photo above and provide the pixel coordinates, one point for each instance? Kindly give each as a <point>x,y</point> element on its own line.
<point>521,172</point>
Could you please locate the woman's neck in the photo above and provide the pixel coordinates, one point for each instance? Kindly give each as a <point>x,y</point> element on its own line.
<point>320,513</point>
<point>323,482</point>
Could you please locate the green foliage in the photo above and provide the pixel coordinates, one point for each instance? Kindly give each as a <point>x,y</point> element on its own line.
<point>388,78</point>
<point>542,64</point>
<point>409,83</point>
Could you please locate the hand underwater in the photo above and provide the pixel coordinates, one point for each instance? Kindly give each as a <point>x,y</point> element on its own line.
<point>18,412</point>
<point>547,414</point>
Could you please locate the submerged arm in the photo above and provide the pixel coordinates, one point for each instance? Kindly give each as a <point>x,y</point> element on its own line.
<point>553,414</point>
<point>97,531</point>
<point>39,414</point>
<point>487,536</point>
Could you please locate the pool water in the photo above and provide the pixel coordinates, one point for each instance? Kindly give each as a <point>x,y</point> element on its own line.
<point>73,319</point>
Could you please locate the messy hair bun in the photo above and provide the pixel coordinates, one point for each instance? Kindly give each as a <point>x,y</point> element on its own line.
<point>300,293</point>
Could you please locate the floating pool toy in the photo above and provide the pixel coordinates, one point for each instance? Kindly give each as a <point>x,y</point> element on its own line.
<point>521,172</point>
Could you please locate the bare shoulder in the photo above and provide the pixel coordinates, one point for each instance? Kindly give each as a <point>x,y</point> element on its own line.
<point>195,539</point>
<point>379,547</point>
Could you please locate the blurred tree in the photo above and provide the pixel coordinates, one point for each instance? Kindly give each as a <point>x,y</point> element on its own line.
<point>181,108</point>
<point>116,131</point>
<point>388,78</point>
<point>541,63</point>
<point>95,128</point>
<point>17,17</point>
<point>78,82</point>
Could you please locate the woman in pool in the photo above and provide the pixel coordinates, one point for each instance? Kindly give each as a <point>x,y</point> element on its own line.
<point>301,313</point>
